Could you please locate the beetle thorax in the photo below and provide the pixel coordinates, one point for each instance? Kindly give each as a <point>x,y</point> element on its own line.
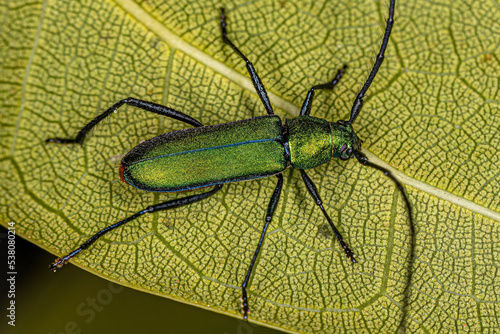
<point>310,141</point>
<point>314,141</point>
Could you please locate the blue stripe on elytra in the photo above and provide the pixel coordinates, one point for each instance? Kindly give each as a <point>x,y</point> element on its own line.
<point>204,149</point>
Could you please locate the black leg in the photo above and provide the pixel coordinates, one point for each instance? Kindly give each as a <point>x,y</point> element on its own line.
<point>358,103</point>
<point>148,106</point>
<point>306,106</point>
<point>175,203</point>
<point>259,86</point>
<point>314,193</point>
<point>270,210</point>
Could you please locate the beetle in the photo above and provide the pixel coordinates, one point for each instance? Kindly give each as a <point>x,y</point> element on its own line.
<point>211,156</point>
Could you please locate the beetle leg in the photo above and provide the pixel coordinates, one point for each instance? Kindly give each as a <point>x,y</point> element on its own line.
<point>175,203</point>
<point>145,105</point>
<point>306,106</point>
<point>259,86</point>
<point>315,194</point>
<point>270,210</point>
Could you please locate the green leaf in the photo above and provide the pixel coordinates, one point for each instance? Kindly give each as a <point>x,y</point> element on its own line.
<point>432,114</point>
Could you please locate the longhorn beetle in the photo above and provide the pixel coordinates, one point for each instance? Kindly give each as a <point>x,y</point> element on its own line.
<point>211,156</point>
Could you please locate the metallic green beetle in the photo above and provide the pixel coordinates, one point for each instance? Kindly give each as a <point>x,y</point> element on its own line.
<point>210,156</point>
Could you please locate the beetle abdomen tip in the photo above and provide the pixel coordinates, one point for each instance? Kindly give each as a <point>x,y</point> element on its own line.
<point>122,172</point>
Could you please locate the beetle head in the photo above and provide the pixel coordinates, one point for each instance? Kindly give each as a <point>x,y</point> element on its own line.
<point>347,142</point>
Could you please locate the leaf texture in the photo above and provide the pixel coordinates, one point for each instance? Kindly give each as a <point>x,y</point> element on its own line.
<point>432,114</point>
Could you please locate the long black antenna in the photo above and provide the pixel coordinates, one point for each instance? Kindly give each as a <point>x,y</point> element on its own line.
<point>406,300</point>
<point>364,160</point>
<point>358,103</point>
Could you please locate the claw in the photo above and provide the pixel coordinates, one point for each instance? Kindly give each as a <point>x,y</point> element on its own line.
<point>58,263</point>
<point>244,305</point>
<point>352,258</point>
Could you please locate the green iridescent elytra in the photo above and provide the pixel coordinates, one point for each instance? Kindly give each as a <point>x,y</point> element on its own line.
<point>231,152</point>
<point>203,156</point>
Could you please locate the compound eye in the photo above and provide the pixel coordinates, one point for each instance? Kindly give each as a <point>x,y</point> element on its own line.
<point>345,153</point>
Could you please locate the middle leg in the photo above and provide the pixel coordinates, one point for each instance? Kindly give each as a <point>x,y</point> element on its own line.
<point>259,86</point>
<point>270,210</point>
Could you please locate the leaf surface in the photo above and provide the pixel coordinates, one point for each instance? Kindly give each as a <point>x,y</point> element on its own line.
<point>432,114</point>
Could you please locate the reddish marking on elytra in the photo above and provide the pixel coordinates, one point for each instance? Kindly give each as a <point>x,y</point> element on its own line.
<point>121,171</point>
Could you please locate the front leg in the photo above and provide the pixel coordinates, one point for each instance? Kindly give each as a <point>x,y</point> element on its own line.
<point>311,187</point>
<point>306,106</point>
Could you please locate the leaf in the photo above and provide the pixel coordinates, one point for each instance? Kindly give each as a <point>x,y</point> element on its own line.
<point>432,114</point>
